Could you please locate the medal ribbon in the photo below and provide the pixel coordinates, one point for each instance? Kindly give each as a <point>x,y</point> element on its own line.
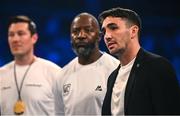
<point>15,77</point>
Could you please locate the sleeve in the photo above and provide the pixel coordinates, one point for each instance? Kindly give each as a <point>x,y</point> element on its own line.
<point>164,87</point>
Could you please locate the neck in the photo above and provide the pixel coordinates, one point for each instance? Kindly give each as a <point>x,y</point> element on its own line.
<point>95,55</point>
<point>128,55</point>
<point>24,60</point>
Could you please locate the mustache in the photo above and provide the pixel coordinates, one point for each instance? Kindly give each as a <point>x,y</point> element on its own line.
<point>83,48</point>
<point>79,43</point>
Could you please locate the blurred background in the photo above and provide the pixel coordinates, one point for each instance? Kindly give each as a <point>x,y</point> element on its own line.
<point>160,20</point>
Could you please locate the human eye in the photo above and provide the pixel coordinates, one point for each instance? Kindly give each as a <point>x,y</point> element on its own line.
<point>10,34</point>
<point>75,31</point>
<point>21,33</point>
<point>88,30</point>
<point>113,27</point>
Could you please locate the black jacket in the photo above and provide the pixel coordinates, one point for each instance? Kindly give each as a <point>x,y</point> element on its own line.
<point>152,87</point>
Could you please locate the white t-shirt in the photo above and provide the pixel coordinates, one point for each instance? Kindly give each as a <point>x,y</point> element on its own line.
<point>81,88</point>
<point>117,101</point>
<point>36,90</point>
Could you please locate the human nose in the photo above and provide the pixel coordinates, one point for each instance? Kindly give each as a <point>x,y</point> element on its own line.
<point>14,37</point>
<point>107,36</point>
<point>81,34</point>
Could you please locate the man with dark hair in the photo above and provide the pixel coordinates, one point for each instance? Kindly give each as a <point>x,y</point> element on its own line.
<point>25,19</point>
<point>82,86</point>
<point>144,83</point>
<point>26,83</point>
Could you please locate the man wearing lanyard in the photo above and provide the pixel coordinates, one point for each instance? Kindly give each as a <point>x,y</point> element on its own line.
<point>26,83</point>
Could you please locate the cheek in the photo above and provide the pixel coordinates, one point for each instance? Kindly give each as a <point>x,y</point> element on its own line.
<point>122,35</point>
<point>10,42</point>
<point>93,34</point>
<point>28,43</point>
<point>73,39</point>
<point>127,36</point>
<point>94,37</point>
<point>73,36</point>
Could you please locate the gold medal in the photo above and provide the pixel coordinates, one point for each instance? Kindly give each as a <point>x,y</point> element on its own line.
<point>19,107</point>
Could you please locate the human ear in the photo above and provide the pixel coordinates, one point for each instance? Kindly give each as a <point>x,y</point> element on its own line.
<point>134,31</point>
<point>34,38</point>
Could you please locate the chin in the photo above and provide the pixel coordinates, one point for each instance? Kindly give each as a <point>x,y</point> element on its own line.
<point>114,52</point>
<point>17,54</point>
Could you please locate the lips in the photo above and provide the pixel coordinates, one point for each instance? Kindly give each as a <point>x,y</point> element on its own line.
<point>81,44</point>
<point>110,45</point>
<point>15,46</point>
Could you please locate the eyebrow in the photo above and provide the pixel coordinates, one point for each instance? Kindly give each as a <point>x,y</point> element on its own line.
<point>111,24</point>
<point>108,25</point>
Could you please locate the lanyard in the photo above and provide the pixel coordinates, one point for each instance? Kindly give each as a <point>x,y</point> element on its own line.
<point>21,84</point>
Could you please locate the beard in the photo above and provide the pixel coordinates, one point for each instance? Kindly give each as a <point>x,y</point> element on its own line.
<point>83,49</point>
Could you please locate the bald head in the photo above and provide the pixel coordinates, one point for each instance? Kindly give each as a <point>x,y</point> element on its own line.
<point>85,35</point>
<point>83,18</point>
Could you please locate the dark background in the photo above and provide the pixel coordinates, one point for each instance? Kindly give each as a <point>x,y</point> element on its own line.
<point>160,19</point>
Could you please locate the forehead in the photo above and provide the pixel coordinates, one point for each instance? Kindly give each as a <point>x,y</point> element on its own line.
<point>113,20</point>
<point>83,21</point>
<point>18,26</point>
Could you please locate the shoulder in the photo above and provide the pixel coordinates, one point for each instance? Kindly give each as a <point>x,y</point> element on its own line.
<point>108,62</point>
<point>6,70</point>
<point>155,59</point>
<point>71,63</point>
<point>155,63</point>
<point>47,63</point>
<point>69,68</point>
<point>46,66</point>
<point>7,67</point>
<point>150,58</point>
<point>66,70</point>
<point>109,59</point>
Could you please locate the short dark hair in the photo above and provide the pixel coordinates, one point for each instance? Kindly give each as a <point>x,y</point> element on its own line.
<point>26,19</point>
<point>131,16</point>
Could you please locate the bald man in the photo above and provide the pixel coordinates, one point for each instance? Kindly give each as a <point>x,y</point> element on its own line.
<point>82,86</point>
